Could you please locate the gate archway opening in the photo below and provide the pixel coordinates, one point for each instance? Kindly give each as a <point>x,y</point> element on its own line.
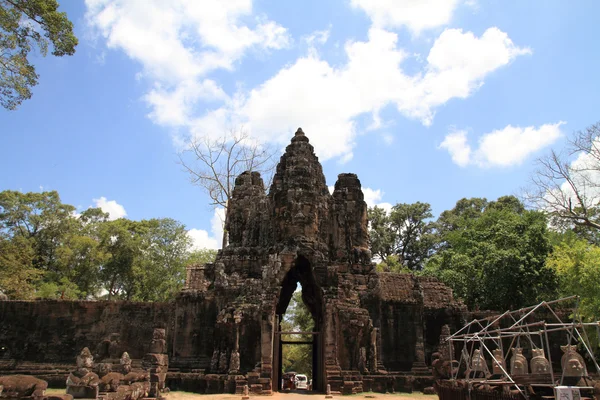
<point>300,276</point>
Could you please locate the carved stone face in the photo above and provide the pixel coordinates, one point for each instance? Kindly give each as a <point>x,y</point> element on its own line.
<point>85,359</point>
<point>572,362</point>
<point>574,368</point>
<point>538,367</point>
<point>539,363</point>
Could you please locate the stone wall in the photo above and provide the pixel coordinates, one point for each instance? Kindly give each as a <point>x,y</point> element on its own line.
<point>55,331</point>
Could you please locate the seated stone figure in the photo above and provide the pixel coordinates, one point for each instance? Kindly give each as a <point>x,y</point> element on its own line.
<point>573,365</point>
<point>110,382</point>
<point>125,363</point>
<point>442,368</point>
<point>20,386</point>
<point>498,363</point>
<point>83,383</point>
<point>518,362</point>
<point>478,367</point>
<point>539,363</point>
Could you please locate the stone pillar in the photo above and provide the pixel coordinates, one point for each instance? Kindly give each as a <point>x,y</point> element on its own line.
<point>373,355</point>
<point>419,367</point>
<point>266,346</point>
<point>156,362</point>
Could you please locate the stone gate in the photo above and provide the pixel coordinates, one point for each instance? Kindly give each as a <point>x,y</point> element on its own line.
<point>375,329</point>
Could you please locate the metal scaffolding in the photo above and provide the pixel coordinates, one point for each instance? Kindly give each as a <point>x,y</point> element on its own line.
<point>510,327</point>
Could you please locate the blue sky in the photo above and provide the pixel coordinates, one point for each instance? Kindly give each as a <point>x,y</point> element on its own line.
<point>426,101</point>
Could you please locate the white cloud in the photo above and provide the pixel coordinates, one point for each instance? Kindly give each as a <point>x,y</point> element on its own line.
<point>325,100</point>
<point>114,209</point>
<point>201,239</point>
<point>178,43</point>
<point>318,37</point>
<point>501,148</point>
<point>457,146</point>
<point>183,39</point>
<point>373,198</point>
<point>416,15</point>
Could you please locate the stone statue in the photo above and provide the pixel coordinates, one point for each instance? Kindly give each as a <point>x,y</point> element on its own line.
<point>234,362</point>
<point>518,362</point>
<point>572,364</point>
<point>214,362</point>
<point>159,344</point>
<point>539,363</point>
<point>125,363</point>
<point>478,365</point>
<point>362,360</point>
<point>110,382</point>
<point>83,383</point>
<point>442,364</point>
<point>223,362</point>
<point>157,363</point>
<point>22,387</point>
<point>497,362</point>
<point>103,369</point>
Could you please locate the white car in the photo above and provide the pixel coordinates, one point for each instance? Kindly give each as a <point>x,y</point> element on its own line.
<point>301,382</point>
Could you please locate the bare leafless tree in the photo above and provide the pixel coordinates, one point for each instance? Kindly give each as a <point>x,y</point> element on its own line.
<point>567,184</point>
<point>215,163</point>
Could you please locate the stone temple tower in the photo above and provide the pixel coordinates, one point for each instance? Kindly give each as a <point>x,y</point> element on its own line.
<point>366,324</point>
<point>371,330</point>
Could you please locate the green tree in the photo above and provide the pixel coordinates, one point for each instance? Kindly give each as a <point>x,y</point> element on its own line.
<point>17,273</point>
<point>147,258</point>
<point>164,247</point>
<point>577,265</point>
<point>25,24</point>
<point>297,317</point>
<point>201,256</point>
<point>492,254</point>
<point>406,232</point>
<point>48,227</point>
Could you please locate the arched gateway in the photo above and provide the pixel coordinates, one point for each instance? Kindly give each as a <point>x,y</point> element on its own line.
<point>370,328</point>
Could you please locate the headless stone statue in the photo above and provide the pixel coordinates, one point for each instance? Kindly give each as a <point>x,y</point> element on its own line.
<point>498,362</point>
<point>518,362</point>
<point>539,363</point>
<point>478,366</point>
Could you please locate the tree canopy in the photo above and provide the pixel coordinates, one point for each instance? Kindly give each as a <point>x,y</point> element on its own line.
<point>493,254</point>
<point>49,251</point>
<point>25,24</point>
<point>402,239</point>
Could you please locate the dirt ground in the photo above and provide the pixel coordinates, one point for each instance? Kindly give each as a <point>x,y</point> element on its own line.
<point>286,396</point>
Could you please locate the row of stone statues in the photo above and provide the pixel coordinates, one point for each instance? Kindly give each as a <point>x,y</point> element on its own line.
<point>572,364</point>
<point>119,381</point>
